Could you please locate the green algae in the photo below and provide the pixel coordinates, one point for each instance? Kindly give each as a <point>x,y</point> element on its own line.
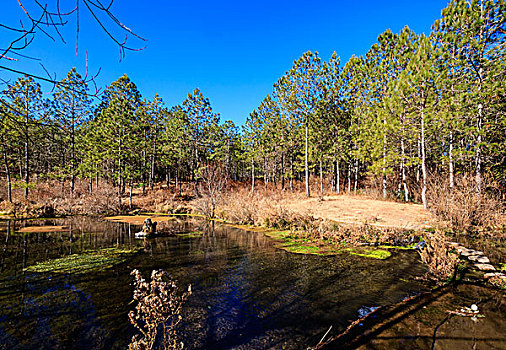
<point>84,262</point>
<point>370,253</point>
<point>290,242</point>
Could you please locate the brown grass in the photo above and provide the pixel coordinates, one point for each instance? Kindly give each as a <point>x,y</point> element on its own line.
<point>293,211</point>
<point>462,209</point>
<point>439,257</point>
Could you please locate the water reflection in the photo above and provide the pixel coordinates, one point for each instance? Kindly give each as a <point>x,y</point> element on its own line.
<point>247,294</point>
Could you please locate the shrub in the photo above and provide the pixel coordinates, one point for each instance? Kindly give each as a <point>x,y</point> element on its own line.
<point>159,305</point>
<point>439,257</point>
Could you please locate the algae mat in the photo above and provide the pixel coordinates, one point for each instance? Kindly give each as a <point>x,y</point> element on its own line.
<point>291,243</point>
<point>138,219</point>
<point>84,262</point>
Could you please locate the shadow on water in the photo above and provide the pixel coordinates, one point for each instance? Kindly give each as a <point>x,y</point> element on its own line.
<point>246,293</point>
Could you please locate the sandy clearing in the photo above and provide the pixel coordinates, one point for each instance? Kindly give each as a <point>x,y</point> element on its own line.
<point>38,229</point>
<point>360,210</point>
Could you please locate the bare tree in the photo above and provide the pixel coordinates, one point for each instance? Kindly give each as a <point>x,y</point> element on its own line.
<point>48,19</point>
<point>212,179</point>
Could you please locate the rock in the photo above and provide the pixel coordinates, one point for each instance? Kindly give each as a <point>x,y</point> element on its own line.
<point>477,252</point>
<point>149,227</point>
<point>474,307</point>
<point>466,252</point>
<point>482,259</point>
<point>494,274</point>
<point>484,267</point>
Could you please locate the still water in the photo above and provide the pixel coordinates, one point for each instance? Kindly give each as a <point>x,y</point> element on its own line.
<point>246,293</point>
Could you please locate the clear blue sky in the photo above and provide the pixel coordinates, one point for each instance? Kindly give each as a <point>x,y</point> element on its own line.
<point>232,50</point>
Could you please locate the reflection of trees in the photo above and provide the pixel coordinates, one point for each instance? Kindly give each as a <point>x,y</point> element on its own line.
<point>23,249</point>
<point>245,291</point>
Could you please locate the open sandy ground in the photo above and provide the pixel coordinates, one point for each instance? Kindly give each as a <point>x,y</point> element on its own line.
<point>360,210</point>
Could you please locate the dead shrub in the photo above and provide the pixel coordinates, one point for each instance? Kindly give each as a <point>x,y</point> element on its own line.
<point>440,258</point>
<point>461,208</point>
<point>159,306</point>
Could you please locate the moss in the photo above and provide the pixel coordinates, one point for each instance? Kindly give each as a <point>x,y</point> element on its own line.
<point>278,235</point>
<point>290,242</point>
<point>370,253</point>
<point>302,249</point>
<point>84,262</point>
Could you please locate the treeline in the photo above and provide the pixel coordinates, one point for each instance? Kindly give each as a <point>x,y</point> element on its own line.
<point>124,139</point>
<point>414,108</point>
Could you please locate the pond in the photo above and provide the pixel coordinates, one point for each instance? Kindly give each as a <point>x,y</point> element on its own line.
<point>246,293</point>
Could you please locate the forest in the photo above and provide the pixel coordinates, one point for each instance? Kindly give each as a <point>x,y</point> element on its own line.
<point>371,190</point>
<point>414,110</point>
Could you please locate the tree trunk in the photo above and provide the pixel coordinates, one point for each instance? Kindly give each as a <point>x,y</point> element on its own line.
<point>291,172</point>
<point>450,161</point>
<point>403,171</point>
<point>73,153</point>
<point>252,174</point>
<point>355,184</point>
<point>349,176</point>
<point>306,156</point>
<point>153,158</point>
<point>478,150</point>
<point>338,174</point>
<point>130,194</point>
<point>178,186</point>
<point>321,178</point>
<point>265,174</point>
<point>283,171</point>
<point>424,168</point>
<point>333,177</point>
<point>384,170</point>
<point>419,153</point>
<point>8,174</point>
<point>27,165</point>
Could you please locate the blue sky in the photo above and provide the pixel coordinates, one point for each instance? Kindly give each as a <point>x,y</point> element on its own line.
<point>232,50</point>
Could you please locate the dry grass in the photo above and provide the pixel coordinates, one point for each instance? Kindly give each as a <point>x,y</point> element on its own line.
<point>49,197</point>
<point>439,257</point>
<point>293,211</point>
<point>462,209</point>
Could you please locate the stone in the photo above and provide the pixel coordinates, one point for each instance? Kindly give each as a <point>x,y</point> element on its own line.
<point>484,267</point>
<point>494,274</point>
<point>482,259</point>
<point>477,252</point>
<point>466,252</point>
